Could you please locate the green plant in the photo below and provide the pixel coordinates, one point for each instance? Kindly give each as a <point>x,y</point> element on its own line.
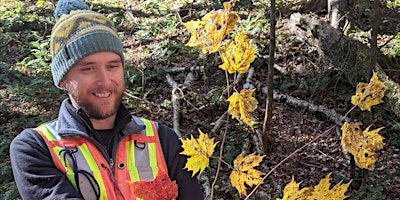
<point>395,131</point>
<point>253,25</point>
<point>37,63</point>
<point>392,4</point>
<point>395,48</point>
<point>158,7</point>
<point>371,191</point>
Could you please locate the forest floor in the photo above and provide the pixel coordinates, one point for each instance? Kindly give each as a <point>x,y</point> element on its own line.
<point>155,48</point>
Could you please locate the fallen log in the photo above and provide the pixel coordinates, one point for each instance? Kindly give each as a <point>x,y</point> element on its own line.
<point>349,56</point>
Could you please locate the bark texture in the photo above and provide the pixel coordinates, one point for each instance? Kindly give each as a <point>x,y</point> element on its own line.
<point>350,57</point>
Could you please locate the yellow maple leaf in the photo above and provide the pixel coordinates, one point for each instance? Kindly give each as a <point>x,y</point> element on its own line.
<point>242,104</point>
<point>244,172</point>
<point>291,191</point>
<point>368,95</point>
<point>361,144</point>
<point>209,32</point>
<point>199,151</point>
<point>321,191</point>
<point>237,54</point>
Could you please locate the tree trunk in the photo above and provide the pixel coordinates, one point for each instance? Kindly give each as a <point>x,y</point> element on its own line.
<point>270,82</point>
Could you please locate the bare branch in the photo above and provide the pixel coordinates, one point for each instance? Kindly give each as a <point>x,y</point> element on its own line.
<point>175,104</point>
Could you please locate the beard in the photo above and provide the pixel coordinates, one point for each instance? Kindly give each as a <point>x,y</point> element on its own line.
<point>97,111</point>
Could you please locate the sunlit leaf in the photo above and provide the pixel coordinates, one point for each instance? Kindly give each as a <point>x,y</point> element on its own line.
<point>238,54</point>
<point>209,32</point>
<point>320,192</point>
<point>292,192</point>
<point>40,2</point>
<point>362,144</point>
<point>162,188</point>
<point>244,172</point>
<point>368,95</point>
<point>199,151</point>
<point>241,104</point>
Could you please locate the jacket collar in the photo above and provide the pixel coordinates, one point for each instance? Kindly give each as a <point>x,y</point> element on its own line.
<point>73,121</point>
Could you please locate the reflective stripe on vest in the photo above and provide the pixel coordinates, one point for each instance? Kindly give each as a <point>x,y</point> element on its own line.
<point>138,157</point>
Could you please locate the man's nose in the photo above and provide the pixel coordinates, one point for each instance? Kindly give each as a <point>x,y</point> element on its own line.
<point>103,78</point>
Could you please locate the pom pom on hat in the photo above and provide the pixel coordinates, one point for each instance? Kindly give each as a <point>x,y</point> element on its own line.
<point>64,7</point>
<point>78,33</point>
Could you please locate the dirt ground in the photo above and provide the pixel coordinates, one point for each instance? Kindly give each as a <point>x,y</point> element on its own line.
<point>292,126</point>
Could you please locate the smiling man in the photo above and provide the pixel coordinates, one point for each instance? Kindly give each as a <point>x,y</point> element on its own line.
<point>95,148</point>
<point>96,84</point>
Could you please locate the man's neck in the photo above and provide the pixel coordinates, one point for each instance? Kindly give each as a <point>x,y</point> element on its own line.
<point>103,124</point>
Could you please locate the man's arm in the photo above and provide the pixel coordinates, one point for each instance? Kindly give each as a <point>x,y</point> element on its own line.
<point>188,186</point>
<point>35,174</point>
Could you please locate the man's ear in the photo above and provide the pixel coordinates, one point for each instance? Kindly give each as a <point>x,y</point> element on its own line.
<point>62,84</point>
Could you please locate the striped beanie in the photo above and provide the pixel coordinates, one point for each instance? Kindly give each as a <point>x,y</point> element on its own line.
<point>79,32</point>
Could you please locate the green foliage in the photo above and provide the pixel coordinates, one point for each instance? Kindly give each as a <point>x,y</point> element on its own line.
<point>36,64</point>
<point>11,15</point>
<point>253,25</point>
<point>395,127</point>
<point>372,190</point>
<point>18,15</point>
<point>11,193</point>
<point>151,27</point>
<point>159,7</point>
<point>26,83</point>
<point>394,130</point>
<point>392,4</point>
<point>395,48</point>
<point>284,4</point>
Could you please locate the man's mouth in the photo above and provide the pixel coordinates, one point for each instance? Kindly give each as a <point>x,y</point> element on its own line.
<point>102,94</point>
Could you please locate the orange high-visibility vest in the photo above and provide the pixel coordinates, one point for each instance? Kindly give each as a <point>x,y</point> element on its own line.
<point>138,157</point>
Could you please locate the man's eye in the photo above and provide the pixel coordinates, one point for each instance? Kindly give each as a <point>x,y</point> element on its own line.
<point>113,66</point>
<point>86,69</point>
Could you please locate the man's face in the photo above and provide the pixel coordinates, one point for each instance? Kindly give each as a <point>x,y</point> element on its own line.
<point>96,84</point>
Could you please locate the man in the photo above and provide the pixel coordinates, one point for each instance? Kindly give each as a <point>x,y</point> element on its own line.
<point>95,149</point>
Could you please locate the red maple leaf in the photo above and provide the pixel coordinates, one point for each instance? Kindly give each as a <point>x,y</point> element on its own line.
<point>162,188</point>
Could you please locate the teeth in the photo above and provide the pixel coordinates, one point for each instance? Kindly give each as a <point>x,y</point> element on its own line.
<point>104,94</point>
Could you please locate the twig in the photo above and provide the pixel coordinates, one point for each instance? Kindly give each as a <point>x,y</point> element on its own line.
<point>291,155</point>
<point>257,132</point>
<point>189,78</point>
<point>218,123</point>
<point>310,165</point>
<point>238,78</point>
<point>259,146</point>
<point>184,69</point>
<point>250,74</point>
<point>127,93</point>
<point>175,104</point>
<point>206,184</point>
<point>227,164</point>
<point>319,151</point>
<point>331,114</point>
<point>297,150</point>
<point>220,156</point>
<point>387,42</point>
<point>245,146</point>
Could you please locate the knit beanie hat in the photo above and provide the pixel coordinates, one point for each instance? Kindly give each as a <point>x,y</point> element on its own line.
<point>78,33</point>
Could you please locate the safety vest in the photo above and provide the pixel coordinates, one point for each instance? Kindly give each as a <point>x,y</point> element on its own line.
<point>138,157</point>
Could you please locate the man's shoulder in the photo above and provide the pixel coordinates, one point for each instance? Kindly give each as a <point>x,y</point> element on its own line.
<point>27,134</point>
<point>27,139</point>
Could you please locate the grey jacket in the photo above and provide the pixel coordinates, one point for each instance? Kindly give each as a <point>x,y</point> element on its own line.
<point>37,177</point>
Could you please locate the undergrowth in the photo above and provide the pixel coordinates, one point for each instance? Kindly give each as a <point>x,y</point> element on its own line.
<point>29,96</point>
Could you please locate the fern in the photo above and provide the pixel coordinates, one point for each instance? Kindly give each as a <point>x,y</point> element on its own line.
<point>395,127</point>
